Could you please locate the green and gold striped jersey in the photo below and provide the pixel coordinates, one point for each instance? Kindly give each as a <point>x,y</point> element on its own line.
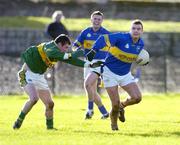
<point>39,58</point>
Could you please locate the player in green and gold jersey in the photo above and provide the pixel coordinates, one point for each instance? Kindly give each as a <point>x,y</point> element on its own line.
<point>37,59</point>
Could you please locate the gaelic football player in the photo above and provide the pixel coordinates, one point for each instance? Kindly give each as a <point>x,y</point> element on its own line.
<point>85,40</point>
<point>123,49</point>
<point>37,59</point>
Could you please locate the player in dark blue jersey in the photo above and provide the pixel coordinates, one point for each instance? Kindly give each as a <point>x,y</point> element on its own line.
<point>85,41</point>
<point>123,49</point>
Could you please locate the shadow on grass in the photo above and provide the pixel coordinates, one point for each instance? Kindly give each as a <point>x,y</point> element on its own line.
<point>148,134</point>
<point>176,133</point>
<point>167,121</point>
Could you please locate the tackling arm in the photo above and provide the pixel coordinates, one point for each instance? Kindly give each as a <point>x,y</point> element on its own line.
<point>80,63</point>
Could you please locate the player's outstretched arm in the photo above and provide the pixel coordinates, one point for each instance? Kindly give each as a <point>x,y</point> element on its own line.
<point>80,63</point>
<point>75,61</point>
<point>77,53</point>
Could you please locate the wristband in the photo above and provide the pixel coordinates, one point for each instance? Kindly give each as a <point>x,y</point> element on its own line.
<point>67,56</point>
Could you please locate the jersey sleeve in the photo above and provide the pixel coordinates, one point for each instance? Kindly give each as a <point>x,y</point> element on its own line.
<point>75,61</point>
<point>79,41</point>
<point>107,40</point>
<point>54,54</point>
<point>99,43</point>
<point>115,38</point>
<point>71,58</point>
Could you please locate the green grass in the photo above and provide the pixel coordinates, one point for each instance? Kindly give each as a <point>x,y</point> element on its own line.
<point>155,121</point>
<point>79,24</point>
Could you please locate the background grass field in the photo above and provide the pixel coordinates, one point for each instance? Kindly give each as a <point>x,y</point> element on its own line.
<point>80,24</point>
<point>155,121</point>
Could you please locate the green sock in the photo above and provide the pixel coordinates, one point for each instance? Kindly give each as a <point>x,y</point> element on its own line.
<point>21,116</point>
<point>49,123</point>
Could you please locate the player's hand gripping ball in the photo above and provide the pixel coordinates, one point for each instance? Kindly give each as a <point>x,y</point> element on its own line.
<point>143,58</point>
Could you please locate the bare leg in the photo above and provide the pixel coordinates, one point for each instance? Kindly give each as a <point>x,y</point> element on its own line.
<point>115,101</point>
<point>93,96</point>
<point>134,94</point>
<point>96,96</point>
<point>45,96</point>
<point>33,98</point>
<point>89,85</point>
<point>134,98</point>
<point>98,102</point>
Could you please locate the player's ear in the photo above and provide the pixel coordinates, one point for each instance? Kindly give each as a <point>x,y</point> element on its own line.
<point>59,45</point>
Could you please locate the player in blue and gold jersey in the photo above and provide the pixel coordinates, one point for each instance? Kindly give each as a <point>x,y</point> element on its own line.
<point>85,41</point>
<point>123,49</point>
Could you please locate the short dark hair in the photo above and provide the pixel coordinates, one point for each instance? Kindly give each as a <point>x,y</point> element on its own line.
<point>63,39</point>
<point>137,22</point>
<point>97,13</point>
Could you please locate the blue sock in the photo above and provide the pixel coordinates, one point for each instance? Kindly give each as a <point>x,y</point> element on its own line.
<point>90,105</point>
<point>103,110</point>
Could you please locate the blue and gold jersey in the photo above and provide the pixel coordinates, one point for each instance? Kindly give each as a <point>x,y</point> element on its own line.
<point>122,52</point>
<point>87,38</point>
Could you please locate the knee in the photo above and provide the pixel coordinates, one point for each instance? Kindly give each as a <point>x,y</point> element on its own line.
<point>50,105</point>
<point>137,98</point>
<point>34,101</point>
<point>87,85</point>
<point>115,107</point>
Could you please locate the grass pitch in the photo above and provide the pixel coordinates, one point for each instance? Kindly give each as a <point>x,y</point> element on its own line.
<point>155,121</point>
<point>80,24</point>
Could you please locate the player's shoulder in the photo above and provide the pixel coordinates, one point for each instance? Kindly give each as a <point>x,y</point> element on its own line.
<point>52,23</point>
<point>120,34</point>
<point>49,45</point>
<point>86,30</point>
<point>105,31</point>
<point>125,35</point>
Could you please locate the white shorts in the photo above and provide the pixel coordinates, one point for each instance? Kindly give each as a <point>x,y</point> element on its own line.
<point>111,79</point>
<point>28,77</point>
<point>87,70</point>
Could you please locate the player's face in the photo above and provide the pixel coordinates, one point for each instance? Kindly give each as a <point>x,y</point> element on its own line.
<point>96,21</point>
<point>136,31</point>
<point>63,48</point>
